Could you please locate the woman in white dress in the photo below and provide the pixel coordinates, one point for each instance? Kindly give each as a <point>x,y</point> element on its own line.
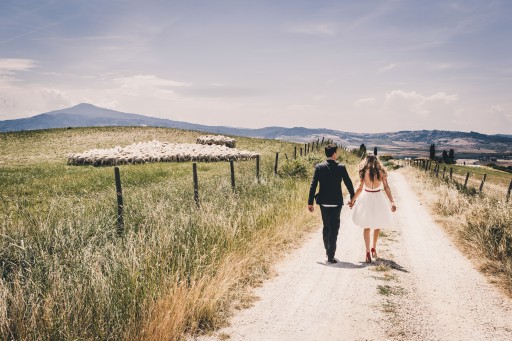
<point>372,210</point>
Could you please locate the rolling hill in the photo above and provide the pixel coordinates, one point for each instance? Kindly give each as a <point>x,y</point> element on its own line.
<point>403,143</point>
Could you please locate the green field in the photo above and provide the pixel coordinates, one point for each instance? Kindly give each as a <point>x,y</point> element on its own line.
<point>496,180</point>
<point>494,176</point>
<point>66,274</point>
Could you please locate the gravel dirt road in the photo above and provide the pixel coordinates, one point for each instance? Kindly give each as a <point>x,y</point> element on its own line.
<point>422,288</point>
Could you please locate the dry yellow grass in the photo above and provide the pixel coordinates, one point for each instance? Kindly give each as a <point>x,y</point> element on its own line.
<point>176,270</point>
<point>206,302</point>
<point>480,224</point>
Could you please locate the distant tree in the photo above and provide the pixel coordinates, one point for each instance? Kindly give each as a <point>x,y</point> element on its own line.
<point>375,151</point>
<point>451,156</point>
<point>445,156</point>
<point>362,150</point>
<point>432,151</point>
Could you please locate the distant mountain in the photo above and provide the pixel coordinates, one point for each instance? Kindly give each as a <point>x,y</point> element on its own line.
<point>401,143</point>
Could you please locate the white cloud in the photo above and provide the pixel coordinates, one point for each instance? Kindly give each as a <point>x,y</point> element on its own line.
<point>418,104</point>
<point>501,114</point>
<point>386,68</point>
<point>147,86</point>
<point>151,81</point>
<point>14,103</point>
<point>11,65</point>
<point>420,98</point>
<point>326,29</point>
<point>364,102</point>
<point>497,108</point>
<point>442,97</point>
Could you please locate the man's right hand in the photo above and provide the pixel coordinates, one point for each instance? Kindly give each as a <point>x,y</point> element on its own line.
<point>311,208</point>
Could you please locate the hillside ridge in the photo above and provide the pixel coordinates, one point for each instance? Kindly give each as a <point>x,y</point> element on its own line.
<point>406,141</point>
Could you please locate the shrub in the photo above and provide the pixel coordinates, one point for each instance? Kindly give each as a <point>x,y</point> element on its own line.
<point>297,168</point>
<point>390,165</point>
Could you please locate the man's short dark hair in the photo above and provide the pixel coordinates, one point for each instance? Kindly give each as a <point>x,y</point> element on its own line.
<point>330,149</point>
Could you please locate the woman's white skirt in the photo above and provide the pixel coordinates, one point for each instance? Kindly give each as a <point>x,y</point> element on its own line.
<point>372,210</point>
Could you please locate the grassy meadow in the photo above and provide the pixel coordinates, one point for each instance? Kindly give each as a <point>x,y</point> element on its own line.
<point>496,182</point>
<point>177,270</point>
<point>480,222</point>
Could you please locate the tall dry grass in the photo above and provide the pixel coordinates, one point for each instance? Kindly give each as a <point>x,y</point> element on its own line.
<point>177,269</point>
<point>481,222</point>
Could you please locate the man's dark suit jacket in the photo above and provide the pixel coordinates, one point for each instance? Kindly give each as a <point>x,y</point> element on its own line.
<point>330,174</point>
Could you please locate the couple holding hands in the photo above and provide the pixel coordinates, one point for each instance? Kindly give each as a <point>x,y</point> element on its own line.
<point>371,210</point>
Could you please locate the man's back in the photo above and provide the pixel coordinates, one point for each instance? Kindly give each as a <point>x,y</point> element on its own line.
<point>330,174</point>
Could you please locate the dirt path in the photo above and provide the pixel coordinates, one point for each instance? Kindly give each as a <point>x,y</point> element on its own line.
<point>421,289</point>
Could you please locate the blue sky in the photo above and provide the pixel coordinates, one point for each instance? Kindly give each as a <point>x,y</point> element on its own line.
<point>360,66</point>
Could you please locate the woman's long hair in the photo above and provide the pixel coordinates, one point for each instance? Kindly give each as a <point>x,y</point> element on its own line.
<point>371,163</point>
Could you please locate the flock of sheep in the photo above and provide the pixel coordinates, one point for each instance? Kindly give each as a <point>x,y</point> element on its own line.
<point>155,151</point>
<point>217,139</point>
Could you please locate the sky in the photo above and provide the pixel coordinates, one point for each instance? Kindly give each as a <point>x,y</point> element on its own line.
<point>357,66</point>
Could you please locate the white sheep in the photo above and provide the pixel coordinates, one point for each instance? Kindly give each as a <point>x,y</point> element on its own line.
<point>155,151</point>
<point>216,140</point>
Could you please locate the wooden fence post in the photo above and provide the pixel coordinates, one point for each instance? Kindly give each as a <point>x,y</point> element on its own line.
<point>437,170</point>
<point>451,172</point>
<point>482,183</point>
<point>196,185</point>
<point>300,151</point>
<point>466,181</point>
<point>258,168</point>
<point>305,149</point>
<point>295,152</point>
<point>444,171</point>
<point>232,168</point>
<point>509,189</point>
<point>286,156</point>
<point>120,206</point>
<point>275,167</point>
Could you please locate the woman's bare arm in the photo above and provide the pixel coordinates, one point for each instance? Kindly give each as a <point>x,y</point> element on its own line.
<point>358,191</point>
<point>388,192</point>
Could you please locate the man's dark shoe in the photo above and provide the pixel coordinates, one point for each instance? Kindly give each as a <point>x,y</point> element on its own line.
<point>332,260</point>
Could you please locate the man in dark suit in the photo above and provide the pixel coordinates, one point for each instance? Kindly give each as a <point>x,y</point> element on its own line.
<point>330,174</point>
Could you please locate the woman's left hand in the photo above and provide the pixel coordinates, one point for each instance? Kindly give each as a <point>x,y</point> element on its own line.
<point>393,207</point>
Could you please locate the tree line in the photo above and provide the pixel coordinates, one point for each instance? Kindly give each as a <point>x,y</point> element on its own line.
<point>447,156</point>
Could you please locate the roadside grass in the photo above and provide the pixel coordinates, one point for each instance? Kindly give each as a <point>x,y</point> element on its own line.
<point>389,307</point>
<point>386,278</point>
<point>480,223</point>
<point>496,181</point>
<point>388,290</point>
<point>176,270</point>
<point>381,267</point>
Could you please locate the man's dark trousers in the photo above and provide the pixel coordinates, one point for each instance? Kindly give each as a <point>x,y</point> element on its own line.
<point>331,220</point>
